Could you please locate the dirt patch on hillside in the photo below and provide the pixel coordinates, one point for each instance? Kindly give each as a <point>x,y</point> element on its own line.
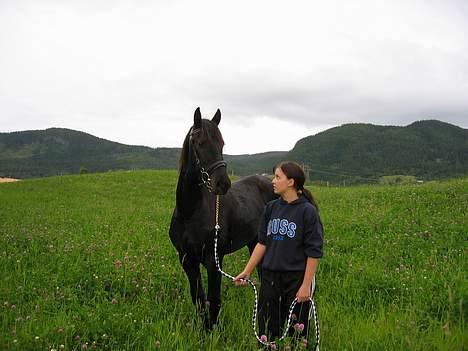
<point>8,180</point>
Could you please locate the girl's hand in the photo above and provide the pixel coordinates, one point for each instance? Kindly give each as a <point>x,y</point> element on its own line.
<point>240,280</point>
<point>303,293</point>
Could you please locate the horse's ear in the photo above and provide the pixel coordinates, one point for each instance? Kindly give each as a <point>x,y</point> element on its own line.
<point>217,117</point>
<point>197,119</point>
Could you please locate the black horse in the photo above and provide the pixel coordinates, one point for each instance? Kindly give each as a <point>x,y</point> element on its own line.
<point>202,176</point>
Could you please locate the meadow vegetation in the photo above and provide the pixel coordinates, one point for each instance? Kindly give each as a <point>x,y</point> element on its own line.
<point>86,263</point>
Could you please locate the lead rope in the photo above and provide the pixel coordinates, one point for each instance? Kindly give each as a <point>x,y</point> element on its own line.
<point>263,341</point>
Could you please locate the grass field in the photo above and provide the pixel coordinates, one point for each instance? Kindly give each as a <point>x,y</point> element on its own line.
<point>86,263</point>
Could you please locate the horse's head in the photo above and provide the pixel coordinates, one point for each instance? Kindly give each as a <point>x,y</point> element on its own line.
<point>206,144</point>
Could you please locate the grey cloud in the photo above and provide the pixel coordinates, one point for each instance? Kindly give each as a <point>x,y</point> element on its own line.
<point>334,105</point>
<point>145,65</point>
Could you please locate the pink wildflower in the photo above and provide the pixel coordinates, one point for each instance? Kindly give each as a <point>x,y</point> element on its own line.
<point>263,338</point>
<point>299,327</point>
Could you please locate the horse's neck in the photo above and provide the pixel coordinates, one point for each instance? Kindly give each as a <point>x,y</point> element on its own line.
<point>188,195</point>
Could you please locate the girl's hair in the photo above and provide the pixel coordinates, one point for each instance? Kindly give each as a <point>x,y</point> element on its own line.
<point>293,170</point>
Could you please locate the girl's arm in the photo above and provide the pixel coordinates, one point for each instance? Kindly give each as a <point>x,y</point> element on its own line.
<point>254,260</point>
<point>303,293</point>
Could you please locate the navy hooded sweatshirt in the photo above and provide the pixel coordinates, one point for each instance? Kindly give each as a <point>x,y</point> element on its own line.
<point>291,232</point>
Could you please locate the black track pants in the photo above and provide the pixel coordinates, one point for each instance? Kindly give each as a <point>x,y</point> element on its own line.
<point>277,292</point>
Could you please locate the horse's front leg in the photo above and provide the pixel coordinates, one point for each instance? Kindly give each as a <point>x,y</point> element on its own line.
<point>192,270</point>
<point>214,290</point>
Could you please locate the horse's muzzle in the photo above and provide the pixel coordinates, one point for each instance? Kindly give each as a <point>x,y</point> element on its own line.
<point>222,184</point>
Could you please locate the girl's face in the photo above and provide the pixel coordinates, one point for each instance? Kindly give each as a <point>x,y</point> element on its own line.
<point>281,183</point>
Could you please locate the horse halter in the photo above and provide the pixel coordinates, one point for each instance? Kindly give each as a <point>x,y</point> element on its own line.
<point>205,173</point>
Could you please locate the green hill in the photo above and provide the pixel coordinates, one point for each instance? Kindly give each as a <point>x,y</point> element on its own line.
<point>255,163</point>
<point>57,151</point>
<point>353,152</point>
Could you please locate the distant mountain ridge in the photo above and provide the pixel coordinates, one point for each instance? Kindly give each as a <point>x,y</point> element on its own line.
<point>426,149</point>
<point>355,152</point>
<point>56,151</point>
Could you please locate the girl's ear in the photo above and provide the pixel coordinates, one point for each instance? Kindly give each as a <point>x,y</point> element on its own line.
<point>291,182</point>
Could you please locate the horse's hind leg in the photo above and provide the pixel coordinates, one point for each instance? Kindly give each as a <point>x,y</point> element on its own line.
<point>192,270</point>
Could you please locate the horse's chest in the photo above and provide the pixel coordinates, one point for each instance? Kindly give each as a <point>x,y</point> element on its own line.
<point>198,240</point>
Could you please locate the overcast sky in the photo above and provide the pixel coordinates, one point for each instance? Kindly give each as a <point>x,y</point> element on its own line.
<point>134,71</point>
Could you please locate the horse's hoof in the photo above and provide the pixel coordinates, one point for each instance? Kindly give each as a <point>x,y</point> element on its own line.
<point>208,326</point>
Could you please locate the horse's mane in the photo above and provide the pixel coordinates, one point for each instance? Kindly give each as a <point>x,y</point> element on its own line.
<point>210,131</point>
<point>184,153</point>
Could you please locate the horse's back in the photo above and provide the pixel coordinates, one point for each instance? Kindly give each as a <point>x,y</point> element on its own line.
<point>250,194</point>
<point>259,185</point>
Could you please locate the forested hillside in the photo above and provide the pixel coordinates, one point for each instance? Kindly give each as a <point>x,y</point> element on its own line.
<point>350,153</point>
<point>425,149</point>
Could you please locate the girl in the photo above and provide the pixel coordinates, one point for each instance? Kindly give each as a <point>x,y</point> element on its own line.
<point>290,243</point>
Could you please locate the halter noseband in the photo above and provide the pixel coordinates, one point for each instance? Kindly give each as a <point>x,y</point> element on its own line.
<point>205,173</point>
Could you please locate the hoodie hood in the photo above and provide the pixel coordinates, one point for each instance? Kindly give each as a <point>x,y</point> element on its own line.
<point>300,200</point>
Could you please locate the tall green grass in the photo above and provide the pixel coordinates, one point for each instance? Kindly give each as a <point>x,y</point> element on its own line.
<point>86,263</point>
